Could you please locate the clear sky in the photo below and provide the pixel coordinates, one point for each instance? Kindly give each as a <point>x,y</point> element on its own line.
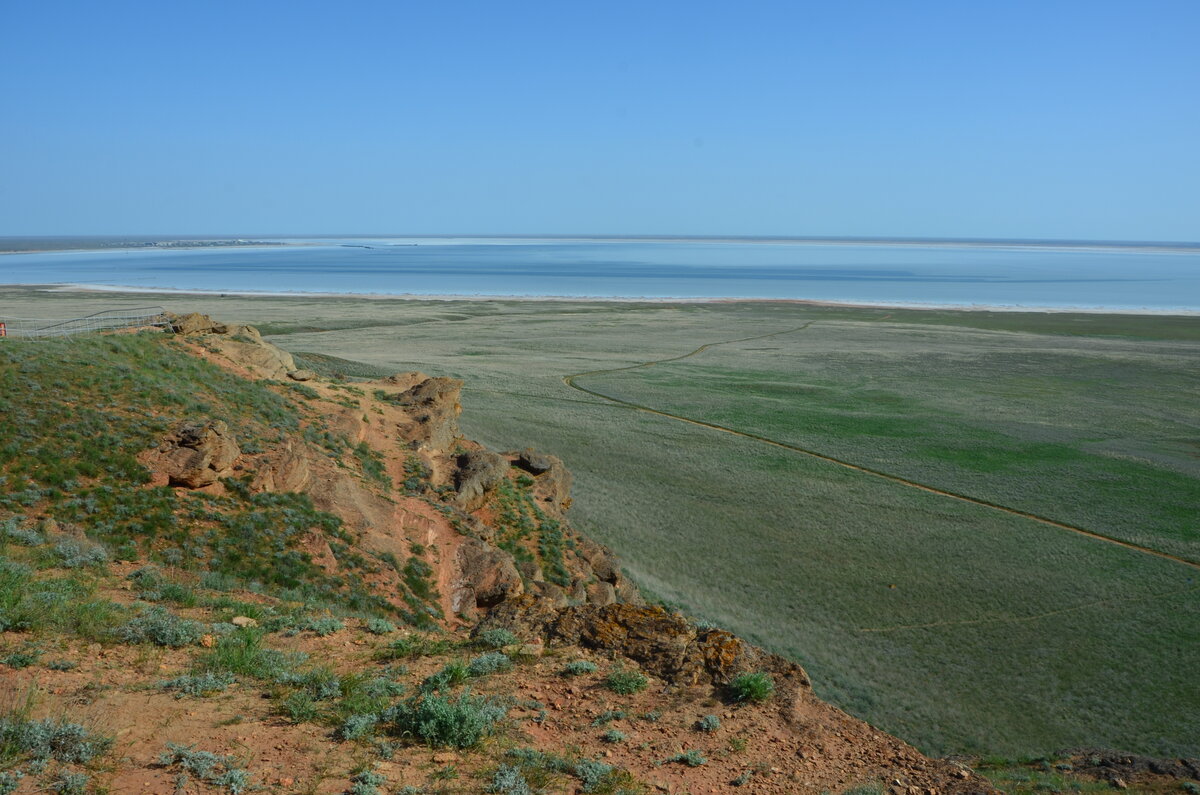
<point>971,118</point>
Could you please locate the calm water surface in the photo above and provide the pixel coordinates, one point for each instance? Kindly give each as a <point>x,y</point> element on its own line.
<point>1095,277</point>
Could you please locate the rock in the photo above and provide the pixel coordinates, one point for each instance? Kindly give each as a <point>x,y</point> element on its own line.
<point>479,471</point>
<point>302,375</point>
<point>487,576</point>
<point>601,594</point>
<point>243,621</point>
<point>196,454</point>
<point>533,462</point>
<point>435,407</point>
<point>245,347</point>
<point>665,645</point>
<point>196,323</point>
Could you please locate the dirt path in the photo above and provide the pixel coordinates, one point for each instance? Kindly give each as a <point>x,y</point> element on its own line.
<point>570,381</point>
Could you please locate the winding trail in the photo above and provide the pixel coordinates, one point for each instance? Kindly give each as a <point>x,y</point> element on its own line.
<point>570,380</point>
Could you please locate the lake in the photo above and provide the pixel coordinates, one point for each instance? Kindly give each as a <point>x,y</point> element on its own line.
<point>1017,275</point>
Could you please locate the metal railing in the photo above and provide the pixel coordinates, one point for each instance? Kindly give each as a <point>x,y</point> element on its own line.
<point>111,320</point>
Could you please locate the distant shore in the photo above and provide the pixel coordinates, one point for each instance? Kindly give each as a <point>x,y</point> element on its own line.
<point>115,290</point>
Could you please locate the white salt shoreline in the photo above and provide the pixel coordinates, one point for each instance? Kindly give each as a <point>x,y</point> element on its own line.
<point>118,289</point>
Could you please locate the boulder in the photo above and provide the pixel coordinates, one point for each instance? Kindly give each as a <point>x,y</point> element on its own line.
<point>487,577</point>
<point>195,323</point>
<point>302,375</point>
<point>196,454</point>
<point>533,462</point>
<point>479,471</point>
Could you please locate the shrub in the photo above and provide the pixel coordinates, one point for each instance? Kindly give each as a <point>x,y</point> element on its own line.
<point>322,626</point>
<point>756,687</point>
<point>489,663</point>
<point>220,771</point>
<point>613,736</point>
<point>202,685</point>
<point>709,723</point>
<point>380,626</point>
<point>60,740</point>
<point>73,554</point>
<point>162,628</point>
<point>357,726</point>
<point>625,682</point>
<point>444,721</point>
<point>608,716</point>
<point>579,667</point>
<point>508,780</point>
<point>62,665</point>
<point>692,758</point>
<point>69,783</point>
<point>366,782</point>
<point>21,659</point>
<point>496,638</point>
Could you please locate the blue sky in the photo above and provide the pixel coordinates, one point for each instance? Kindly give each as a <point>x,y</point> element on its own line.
<point>1046,119</point>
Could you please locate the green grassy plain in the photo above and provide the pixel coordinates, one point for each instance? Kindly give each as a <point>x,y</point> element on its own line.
<point>954,625</point>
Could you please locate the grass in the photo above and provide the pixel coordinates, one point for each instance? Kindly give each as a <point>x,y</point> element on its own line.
<point>755,687</point>
<point>73,459</point>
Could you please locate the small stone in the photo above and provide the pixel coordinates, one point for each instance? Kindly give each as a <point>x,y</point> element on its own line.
<point>302,375</point>
<point>287,781</point>
<point>208,641</point>
<point>1119,783</point>
<point>243,621</point>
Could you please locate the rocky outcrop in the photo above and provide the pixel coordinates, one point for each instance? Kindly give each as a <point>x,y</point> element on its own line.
<point>664,644</point>
<point>246,348</point>
<point>551,479</point>
<point>241,345</point>
<point>487,577</point>
<point>435,406</point>
<point>479,472</point>
<point>195,323</point>
<point>196,454</point>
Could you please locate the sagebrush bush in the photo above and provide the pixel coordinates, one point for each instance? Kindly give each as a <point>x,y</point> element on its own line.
<point>441,720</point>
<point>162,628</point>
<point>692,758</point>
<point>613,736</point>
<point>509,780</point>
<point>496,638</point>
<point>70,783</point>
<point>380,626</point>
<point>579,667</point>
<point>202,685</point>
<point>49,738</point>
<point>489,663</point>
<point>756,687</point>
<point>220,771</point>
<point>709,723</point>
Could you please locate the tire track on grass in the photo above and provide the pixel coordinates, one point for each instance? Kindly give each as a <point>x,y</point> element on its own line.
<point>570,380</point>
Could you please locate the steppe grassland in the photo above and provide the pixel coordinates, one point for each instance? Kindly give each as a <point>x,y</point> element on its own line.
<point>1099,433</point>
<point>1000,634</point>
